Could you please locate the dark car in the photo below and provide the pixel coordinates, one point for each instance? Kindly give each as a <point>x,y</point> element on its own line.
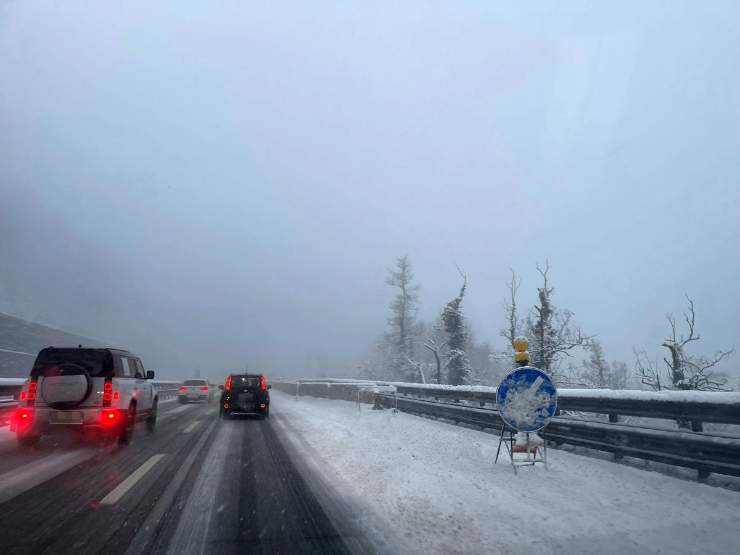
<point>245,394</point>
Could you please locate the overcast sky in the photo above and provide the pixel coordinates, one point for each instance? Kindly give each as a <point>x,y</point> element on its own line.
<point>220,183</point>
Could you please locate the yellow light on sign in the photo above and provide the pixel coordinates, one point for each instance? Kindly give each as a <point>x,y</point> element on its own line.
<point>520,344</point>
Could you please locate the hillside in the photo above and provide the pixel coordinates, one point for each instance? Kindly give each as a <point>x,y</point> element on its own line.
<point>20,340</point>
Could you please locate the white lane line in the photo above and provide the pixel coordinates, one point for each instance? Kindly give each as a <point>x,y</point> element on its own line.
<point>131,481</point>
<point>164,415</point>
<point>191,427</point>
<point>18,480</point>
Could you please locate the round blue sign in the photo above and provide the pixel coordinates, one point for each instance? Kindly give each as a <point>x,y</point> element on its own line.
<point>527,399</point>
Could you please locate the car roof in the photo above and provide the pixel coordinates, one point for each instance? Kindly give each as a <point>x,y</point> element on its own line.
<point>74,347</point>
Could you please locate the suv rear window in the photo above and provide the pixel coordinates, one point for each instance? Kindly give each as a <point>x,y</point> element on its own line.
<point>194,382</point>
<point>97,362</point>
<point>249,381</point>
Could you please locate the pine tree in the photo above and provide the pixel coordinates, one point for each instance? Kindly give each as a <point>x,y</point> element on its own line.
<point>458,366</point>
<point>402,321</point>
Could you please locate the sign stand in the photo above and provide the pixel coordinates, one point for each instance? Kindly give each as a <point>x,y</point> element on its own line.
<point>533,448</point>
<point>526,400</point>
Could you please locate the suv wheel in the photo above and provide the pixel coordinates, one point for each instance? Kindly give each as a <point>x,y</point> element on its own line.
<point>127,430</point>
<point>151,421</point>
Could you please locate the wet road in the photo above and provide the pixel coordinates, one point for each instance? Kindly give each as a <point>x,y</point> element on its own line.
<point>198,485</point>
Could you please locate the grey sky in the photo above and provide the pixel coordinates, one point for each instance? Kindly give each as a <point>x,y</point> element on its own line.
<point>210,183</point>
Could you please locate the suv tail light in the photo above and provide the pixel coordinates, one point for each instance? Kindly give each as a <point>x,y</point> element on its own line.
<point>204,389</point>
<point>23,416</point>
<point>109,417</point>
<point>107,392</point>
<point>263,383</point>
<point>32,392</point>
<point>183,388</point>
<point>227,387</point>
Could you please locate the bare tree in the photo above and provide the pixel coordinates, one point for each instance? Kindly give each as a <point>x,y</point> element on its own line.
<point>510,306</point>
<point>436,346</point>
<point>551,333</point>
<point>683,370</point>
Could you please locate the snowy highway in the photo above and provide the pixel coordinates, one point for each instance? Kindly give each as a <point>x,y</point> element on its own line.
<point>198,485</point>
<point>327,476</point>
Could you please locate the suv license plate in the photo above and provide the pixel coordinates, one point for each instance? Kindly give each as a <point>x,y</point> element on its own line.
<point>66,417</point>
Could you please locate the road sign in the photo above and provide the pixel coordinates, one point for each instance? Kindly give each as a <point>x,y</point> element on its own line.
<point>527,399</point>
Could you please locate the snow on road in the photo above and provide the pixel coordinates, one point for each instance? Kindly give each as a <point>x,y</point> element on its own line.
<point>435,485</point>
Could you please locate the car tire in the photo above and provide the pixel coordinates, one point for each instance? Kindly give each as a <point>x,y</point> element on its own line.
<point>181,400</point>
<point>127,430</point>
<point>266,412</point>
<point>151,421</point>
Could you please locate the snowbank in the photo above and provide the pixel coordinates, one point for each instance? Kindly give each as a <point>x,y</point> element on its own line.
<point>436,487</point>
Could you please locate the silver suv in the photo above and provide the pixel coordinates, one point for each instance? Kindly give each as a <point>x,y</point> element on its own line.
<point>103,391</point>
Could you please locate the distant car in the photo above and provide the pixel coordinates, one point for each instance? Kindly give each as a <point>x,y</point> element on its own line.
<point>195,390</point>
<point>105,391</point>
<point>245,394</point>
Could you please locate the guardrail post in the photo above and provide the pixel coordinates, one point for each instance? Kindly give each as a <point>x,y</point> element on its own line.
<point>613,418</point>
<point>697,426</point>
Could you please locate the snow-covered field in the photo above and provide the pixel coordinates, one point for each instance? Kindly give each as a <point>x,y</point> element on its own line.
<point>436,487</point>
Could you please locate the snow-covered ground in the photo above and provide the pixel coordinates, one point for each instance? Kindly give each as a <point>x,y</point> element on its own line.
<point>436,487</point>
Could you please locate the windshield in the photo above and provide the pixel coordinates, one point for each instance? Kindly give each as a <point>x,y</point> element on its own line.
<point>448,277</point>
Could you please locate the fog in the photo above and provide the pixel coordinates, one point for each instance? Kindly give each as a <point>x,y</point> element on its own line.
<point>218,184</point>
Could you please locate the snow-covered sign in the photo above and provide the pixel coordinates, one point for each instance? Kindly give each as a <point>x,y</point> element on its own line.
<point>527,399</point>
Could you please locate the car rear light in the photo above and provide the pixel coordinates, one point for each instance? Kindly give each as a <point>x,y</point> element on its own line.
<point>23,416</point>
<point>183,388</point>
<point>204,389</point>
<point>32,391</point>
<point>227,387</point>
<point>263,383</point>
<point>262,405</point>
<point>109,417</point>
<point>107,393</point>
<point>226,406</point>
<point>116,395</point>
<point>23,395</point>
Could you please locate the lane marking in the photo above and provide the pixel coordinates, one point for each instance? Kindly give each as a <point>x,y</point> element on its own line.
<point>151,525</point>
<point>18,480</point>
<point>191,427</point>
<point>131,481</point>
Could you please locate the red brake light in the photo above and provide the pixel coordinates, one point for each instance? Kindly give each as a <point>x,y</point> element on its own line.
<point>32,391</point>
<point>226,405</point>
<point>227,387</point>
<point>204,389</point>
<point>107,392</point>
<point>23,416</point>
<point>116,395</point>
<point>23,395</point>
<point>183,388</point>
<point>109,417</point>
<point>263,383</point>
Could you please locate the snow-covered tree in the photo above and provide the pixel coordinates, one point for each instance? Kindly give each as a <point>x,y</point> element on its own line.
<point>683,370</point>
<point>597,372</point>
<point>550,330</point>
<point>402,322</point>
<point>458,365</point>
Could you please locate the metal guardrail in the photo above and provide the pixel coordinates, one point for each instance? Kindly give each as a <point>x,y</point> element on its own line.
<point>694,449</point>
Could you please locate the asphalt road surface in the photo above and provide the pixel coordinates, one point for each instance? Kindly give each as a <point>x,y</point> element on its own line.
<point>197,485</point>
